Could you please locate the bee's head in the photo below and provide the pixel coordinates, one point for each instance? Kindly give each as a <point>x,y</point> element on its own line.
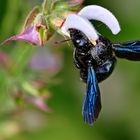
<point>79,39</point>
<point>82,32</point>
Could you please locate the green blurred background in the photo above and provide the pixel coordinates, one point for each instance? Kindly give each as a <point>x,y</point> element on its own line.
<point>120,115</point>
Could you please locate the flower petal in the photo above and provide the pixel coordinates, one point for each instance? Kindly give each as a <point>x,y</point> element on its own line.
<point>44,60</point>
<point>30,18</point>
<point>77,22</point>
<point>96,12</point>
<point>29,35</point>
<point>39,102</point>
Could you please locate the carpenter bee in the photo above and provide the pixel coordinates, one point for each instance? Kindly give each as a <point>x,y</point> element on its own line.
<point>96,61</point>
<point>95,55</point>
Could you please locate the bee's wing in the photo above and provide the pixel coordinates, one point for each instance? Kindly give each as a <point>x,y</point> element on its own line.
<point>92,101</point>
<point>128,50</point>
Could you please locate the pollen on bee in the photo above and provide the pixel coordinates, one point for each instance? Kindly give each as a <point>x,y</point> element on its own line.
<point>93,42</point>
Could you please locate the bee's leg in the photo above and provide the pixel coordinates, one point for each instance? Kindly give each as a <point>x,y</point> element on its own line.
<point>76,60</point>
<point>83,74</point>
<point>77,64</point>
<point>106,69</point>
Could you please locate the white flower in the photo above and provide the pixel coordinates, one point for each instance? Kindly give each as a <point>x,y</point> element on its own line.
<point>81,22</point>
<point>77,22</point>
<point>99,13</point>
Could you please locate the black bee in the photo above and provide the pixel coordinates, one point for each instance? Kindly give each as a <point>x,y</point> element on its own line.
<point>96,61</point>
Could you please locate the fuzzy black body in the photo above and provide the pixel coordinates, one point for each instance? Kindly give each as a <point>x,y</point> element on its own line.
<point>87,54</point>
<point>96,61</point>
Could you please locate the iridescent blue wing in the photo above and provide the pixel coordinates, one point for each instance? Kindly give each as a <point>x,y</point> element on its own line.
<point>128,50</point>
<point>92,102</point>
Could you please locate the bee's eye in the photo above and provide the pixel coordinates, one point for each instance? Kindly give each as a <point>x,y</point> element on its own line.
<point>78,41</point>
<point>78,38</point>
<point>81,42</point>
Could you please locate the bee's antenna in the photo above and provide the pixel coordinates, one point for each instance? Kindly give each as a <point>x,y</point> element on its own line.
<point>62,41</point>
